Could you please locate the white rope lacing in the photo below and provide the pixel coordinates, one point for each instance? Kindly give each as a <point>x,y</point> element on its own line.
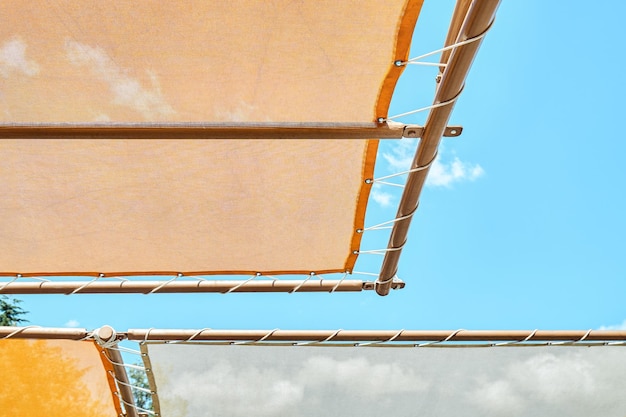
<point>380,251</point>
<point>380,180</point>
<point>15,278</point>
<point>338,284</point>
<point>391,339</point>
<point>136,407</point>
<point>450,336</point>
<point>108,343</point>
<point>138,388</point>
<point>85,285</point>
<point>573,342</point>
<point>297,287</point>
<point>315,342</point>
<point>19,330</point>
<point>416,60</point>
<point>430,107</point>
<point>515,342</point>
<point>258,274</point>
<point>394,278</point>
<point>252,342</point>
<point>371,274</point>
<point>189,339</point>
<point>125,365</point>
<point>164,284</point>
<point>20,276</point>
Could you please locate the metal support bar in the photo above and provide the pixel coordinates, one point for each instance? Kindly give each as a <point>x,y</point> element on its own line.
<point>125,391</point>
<point>140,335</point>
<point>209,131</point>
<point>218,131</point>
<point>104,286</point>
<point>375,335</point>
<point>479,17</point>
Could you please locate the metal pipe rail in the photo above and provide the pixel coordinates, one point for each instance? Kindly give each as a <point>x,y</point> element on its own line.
<point>277,335</point>
<point>108,286</point>
<point>480,15</point>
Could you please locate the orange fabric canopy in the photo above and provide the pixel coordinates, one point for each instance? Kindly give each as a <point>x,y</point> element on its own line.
<point>55,378</point>
<point>191,206</point>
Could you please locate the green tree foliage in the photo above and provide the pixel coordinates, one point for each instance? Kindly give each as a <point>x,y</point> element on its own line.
<point>138,378</point>
<point>10,311</point>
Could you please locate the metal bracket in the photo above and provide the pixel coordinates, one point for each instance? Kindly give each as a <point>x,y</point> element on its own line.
<point>395,285</point>
<point>453,131</point>
<point>416,131</point>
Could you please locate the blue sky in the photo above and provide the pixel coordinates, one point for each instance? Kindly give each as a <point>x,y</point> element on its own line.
<point>534,239</point>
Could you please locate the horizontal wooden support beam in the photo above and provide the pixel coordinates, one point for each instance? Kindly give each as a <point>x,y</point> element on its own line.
<point>218,131</point>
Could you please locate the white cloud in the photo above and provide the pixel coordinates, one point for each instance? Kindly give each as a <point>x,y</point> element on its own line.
<point>196,380</point>
<point>400,156</point>
<point>445,174</point>
<point>381,197</point>
<point>546,380</point>
<point>621,326</point>
<point>242,390</point>
<point>72,323</point>
<point>126,90</point>
<point>360,375</point>
<point>13,59</point>
<point>442,174</point>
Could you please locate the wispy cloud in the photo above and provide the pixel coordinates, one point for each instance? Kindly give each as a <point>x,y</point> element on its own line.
<point>72,323</point>
<point>359,375</point>
<point>400,156</point>
<point>13,59</point>
<point>381,197</point>
<point>312,381</point>
<point>621,326</point>
<point>542,381</point>
<point>127,91</point>
<point>442,173</point>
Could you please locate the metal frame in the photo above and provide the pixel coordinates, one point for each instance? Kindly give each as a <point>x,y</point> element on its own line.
<point>471,19</point>
<point>476,19</point>
<point>128,286</point>
<point>323,336</point>
<point>218,131</point>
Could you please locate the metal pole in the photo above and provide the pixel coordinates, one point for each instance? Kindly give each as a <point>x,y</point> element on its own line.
<point>125,391</point>
<point>212,131</point>
<point>140,335</point>
<point>110,286</point>
<point>375,335</point>
<point>479,17</point>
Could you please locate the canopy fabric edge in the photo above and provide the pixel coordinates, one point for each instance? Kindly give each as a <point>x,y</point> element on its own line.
<point>405,29</point>
<point>111,375</point>
<point>367,177</point>
<point>479,18</point>
<point>145,357</point>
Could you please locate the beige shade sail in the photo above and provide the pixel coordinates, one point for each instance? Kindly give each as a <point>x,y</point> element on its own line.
<point>55,378</point>
<point>214,380</point>
<point>132,207</point>
<point>69,61</point>
<point>195,206</point>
